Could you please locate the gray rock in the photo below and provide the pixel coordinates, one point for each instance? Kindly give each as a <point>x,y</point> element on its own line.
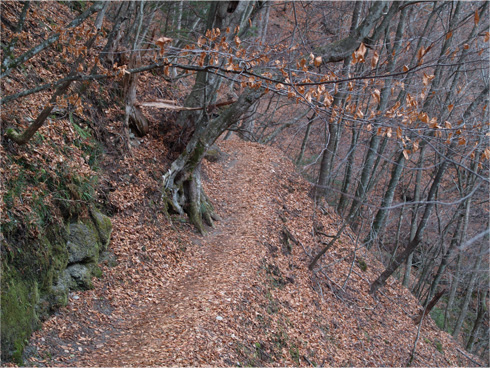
<point>82,245</point>
<point>81,277</point>
<point>59,291</point>
<point>104,228</point>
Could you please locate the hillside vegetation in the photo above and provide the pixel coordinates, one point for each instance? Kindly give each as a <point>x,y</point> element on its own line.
<point>244,183</point>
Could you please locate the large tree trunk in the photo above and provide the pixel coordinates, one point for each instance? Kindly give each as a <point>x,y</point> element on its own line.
<point>222,14</point>
<point>182,184</point>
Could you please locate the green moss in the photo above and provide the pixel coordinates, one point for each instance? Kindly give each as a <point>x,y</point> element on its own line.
<point>213,154</point>
<point>18,313</point>
<point>104,227</point>
<point>34,251</point>
<point>438,345</point>
<point>294,352</point>
<point>196,156</point>
<point>362,264</point>
<point>83,243</point>
<point>95,270</point>
<point>437,315</point>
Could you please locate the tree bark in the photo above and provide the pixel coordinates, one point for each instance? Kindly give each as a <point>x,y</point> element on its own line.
<point>429,307</point>
<point>380,218</point>
<point>207,84</point>
<point>482,310</point>
<point>343,201</point>
<point>334,123</point>
<point>305,141</point>
<point>367,170</point>
<point>183,191</point>
<point>341,49</point>
<point>381,280</point>
<point>469,293</point>
<point>452,294</point>
<point>452,246</point>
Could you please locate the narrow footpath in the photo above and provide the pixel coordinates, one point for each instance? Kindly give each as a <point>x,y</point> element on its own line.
<point>188,324</point>
<point>241,295</point>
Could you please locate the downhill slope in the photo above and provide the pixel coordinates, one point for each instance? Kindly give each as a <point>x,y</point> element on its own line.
<point>241,294</point>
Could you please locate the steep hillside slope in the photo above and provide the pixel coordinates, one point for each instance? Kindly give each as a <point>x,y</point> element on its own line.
<point>242,294</point>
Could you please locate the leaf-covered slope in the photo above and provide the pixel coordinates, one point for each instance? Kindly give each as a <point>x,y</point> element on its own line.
<point>242,294</point>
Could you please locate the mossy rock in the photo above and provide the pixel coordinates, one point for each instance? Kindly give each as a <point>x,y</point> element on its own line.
<point>19,319</point>
<point>83,244</point>
<point>57,296</point>
<point>108,258</point>
<point>80,277</point>
<point>36,281</point>
<point>103,225</point>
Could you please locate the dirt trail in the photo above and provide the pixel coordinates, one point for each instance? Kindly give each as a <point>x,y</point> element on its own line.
<point>185,326</point>
<point>238,295</point>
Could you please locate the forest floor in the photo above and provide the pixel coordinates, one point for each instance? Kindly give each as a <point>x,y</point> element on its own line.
<point>242,293</point>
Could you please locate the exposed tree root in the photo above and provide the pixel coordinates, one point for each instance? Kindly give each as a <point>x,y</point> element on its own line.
<point>182,185</point>
<point>185,195</point>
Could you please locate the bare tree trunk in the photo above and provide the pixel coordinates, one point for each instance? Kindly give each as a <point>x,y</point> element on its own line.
<point>305,141</point>
<point>344,200</point>
<point>247,128</point>
<point>334,129</point>
<point>183,191</point>
<point>180,10</point>
<point>398,229</point>
<point>452,246</point>
<point>134,115</point>
<point>265,22</point>
<point>367,171</point>
<point>115,35</point>
<point>429,307</point>
<point>426,269</point>
<point>413,225</point>
<point>482,310</point>
<point>469,293</point>
<point>379,220</point>
<point>452,294</point>
<point>381,280</point>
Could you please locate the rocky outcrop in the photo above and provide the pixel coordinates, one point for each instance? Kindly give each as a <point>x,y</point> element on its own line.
<point>35,287</point>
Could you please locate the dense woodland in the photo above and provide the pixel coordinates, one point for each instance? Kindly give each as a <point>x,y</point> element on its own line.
<point>381,107</point>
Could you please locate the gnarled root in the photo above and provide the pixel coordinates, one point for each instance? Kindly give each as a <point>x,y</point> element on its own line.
<point>185,195</point>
